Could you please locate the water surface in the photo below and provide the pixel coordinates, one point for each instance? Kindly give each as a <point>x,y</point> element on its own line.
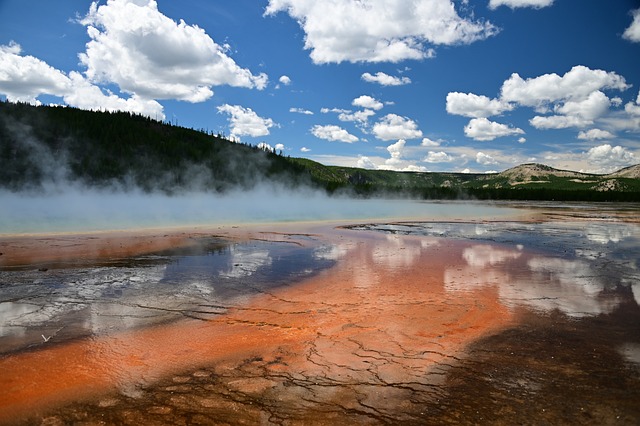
<point>422,322</point>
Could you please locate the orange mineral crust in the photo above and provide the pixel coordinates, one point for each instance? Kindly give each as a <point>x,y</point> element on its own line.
<point>377,325</point>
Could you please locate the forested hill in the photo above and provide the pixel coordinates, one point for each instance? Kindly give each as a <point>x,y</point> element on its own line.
<point>45,147</point>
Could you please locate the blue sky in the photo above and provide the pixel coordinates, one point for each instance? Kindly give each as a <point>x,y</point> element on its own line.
<point>426,85</point>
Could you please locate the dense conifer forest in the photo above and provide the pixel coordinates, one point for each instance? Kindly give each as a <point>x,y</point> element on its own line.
<point>50,147</point>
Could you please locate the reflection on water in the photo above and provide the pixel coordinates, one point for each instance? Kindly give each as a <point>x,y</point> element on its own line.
<point>406,327</point>
<point>569,267</point>
<point>199,281</point>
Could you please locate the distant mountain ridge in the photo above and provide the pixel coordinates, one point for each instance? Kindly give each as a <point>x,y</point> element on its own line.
<point>631,172</point>
<point>47,147</point>
<point>536,169</point>
<point>534,173</point>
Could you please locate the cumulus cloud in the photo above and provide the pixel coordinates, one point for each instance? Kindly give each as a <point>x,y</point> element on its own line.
<point>361,117</point>
<point>430,142</point>
<point>396,162</point>
<point>558,122</point>
<point>301,111</point>
<point>146,53</point>
<point>285,80</point>
<point>366,163</point>
<point>24,78</point>
<point>305,149</point>
<point>385,79</point>
<point>575,85</point>
<point>485,159</point>
<point>482,129</point>
<point>333,133</point>
<point>590,108</point>
<point>368,102</point>
<point>245,122</point>
<point>633,109</point>
<point>575,99</point>
<point>346,115</point>
<point>379,30</point>
<point>395,150</point>
<point>265,146</point>
<point>437,157</point>
<point>513,4</point>
<point>88,96</point>
<point>475,106</point>
<point>595,134</point>
<point>633,32</point>
<point>394,127</point>
<point>609,158</point>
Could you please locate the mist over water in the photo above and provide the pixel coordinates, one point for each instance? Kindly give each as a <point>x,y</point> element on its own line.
<point>43,192</point>
<point>79,209</point>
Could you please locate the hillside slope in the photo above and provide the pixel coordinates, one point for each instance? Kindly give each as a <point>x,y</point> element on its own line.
<point>43,148</point>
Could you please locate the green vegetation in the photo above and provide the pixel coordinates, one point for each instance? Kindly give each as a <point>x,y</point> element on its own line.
<point>41,146</point>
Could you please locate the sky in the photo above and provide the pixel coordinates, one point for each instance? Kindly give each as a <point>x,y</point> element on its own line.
<point>407,85</point>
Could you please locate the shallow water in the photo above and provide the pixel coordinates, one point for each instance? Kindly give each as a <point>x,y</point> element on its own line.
<point>64,301</point>
<point>418,323</point>
<point>578,268</point>
<point>81,211</point>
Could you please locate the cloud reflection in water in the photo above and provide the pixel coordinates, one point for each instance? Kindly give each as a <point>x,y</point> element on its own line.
<point>577,270</point>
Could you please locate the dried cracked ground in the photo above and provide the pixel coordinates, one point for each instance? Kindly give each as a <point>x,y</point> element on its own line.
<point>395,328</point>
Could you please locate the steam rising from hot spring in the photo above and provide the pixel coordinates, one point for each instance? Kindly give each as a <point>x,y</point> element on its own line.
<point>80,209</point>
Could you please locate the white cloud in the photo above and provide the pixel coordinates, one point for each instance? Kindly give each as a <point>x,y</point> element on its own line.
<point>590,108</point>
<point>482,129</point>
<point>396,150</point>
<point>368,102</point>
<point>522,140</point>
<point>632,108</point>
<point>475,106</point>
<point>575,99</point>
<point>395,162</point>
<point>430,142</point>
<point>24,78</point>
<point>379,30</point>
<point>595,134</point>
<point>146,53</point>
<point>611,158</point>
<point>485,159</point>
<point>301,111</point>
<point>245,122</point>
<point>346,115</point>
<point>88,96</point>
<point>558,122</point>
<point>265,146</point>
<point>333,133</point>
<point>358,116</point>
<point>537,4</point>
<point>385,79</point>
<point>437,157</point>
<point>285,80</point>
<point>393,126</point>
<point>576,85</point>
<point>336,110</point>
<point>366,163</point>
<point>633,32</point>
<point>305,149</point>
